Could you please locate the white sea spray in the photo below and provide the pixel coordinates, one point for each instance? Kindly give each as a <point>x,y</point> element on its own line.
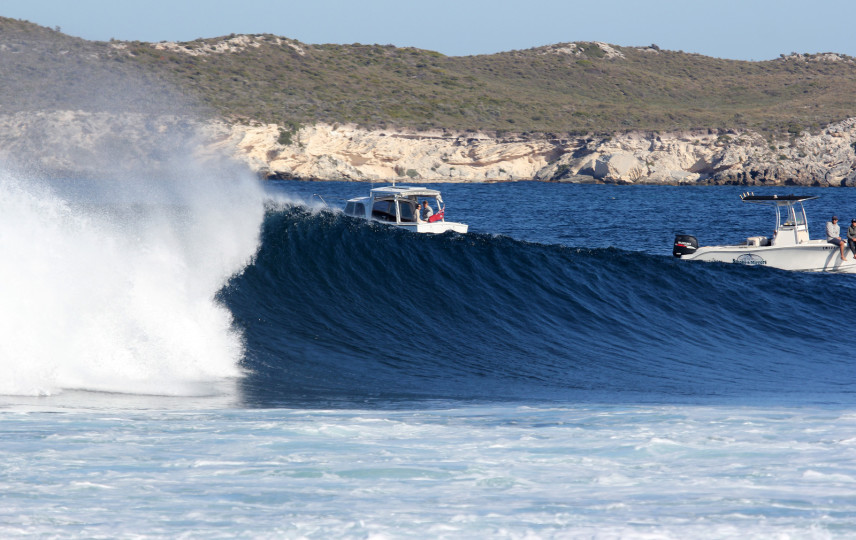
<point>113,293</point>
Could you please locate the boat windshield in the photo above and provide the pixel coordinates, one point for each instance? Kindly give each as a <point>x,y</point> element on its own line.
<point>355,209</point>
<point>791,215</point>
<point>394,210</point>
<point>384,210</point>
<point>407,209</point>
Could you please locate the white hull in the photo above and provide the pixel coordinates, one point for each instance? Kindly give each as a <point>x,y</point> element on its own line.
<point>811,256</point>
<point>437,227</point>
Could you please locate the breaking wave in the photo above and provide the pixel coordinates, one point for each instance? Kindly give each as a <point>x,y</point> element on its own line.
<point>338,308</point>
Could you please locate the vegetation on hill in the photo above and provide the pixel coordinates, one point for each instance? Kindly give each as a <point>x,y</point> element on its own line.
<point>571,88</point>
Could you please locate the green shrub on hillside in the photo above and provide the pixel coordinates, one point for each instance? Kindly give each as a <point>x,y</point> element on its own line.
<point>540,90</point>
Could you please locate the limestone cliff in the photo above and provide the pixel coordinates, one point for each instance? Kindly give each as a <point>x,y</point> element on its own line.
<point>80,143</point>
<point>329,152</point>
<point>348,153</point>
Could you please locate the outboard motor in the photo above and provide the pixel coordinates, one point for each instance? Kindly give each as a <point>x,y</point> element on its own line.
<point>684,245</point>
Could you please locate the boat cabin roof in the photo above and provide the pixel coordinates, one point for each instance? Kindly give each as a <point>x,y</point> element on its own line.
<point>404,191</point>
<point>778,200</point>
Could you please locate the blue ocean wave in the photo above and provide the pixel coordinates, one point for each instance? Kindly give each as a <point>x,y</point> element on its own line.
<point>338,308</point>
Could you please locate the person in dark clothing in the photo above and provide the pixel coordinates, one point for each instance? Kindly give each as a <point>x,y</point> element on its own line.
<point>851,236</point>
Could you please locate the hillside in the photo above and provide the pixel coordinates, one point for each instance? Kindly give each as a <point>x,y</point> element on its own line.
<point>565,88</point>
<point>565,112</point>
<point>569,88</point>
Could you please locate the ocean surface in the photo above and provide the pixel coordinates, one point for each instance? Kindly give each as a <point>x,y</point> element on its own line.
<point>220,359</point>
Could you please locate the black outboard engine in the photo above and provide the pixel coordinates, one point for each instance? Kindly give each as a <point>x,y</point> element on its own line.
<point>684,245</point>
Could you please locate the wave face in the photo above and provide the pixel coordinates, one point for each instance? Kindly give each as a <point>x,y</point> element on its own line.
<point>337,308</point>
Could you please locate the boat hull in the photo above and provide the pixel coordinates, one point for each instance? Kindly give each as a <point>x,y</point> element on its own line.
<point>814,256</point>
<point>438,227</point>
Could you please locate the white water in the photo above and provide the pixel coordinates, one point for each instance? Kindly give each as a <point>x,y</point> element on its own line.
<point>592,471</point>
<point>109,285</point>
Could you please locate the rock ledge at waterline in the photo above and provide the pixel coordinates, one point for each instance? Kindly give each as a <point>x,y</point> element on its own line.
<point>710,157</point>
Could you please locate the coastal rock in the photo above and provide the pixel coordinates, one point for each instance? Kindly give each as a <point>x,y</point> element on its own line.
<point>349,153</point>
<point>620,167</point>
<point>85,143</point>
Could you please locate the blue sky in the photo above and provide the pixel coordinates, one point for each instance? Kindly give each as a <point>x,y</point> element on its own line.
<point>744,29</point>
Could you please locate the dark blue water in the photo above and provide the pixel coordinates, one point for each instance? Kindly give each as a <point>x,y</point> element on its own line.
<point>559,292</point>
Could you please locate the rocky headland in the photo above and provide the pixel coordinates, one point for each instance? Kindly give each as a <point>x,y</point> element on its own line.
<point>79,143</point>
<point>331,152</point>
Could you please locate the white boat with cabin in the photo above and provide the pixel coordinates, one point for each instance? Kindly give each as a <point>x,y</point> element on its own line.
<point>790,248</point>
<point>400,206</point>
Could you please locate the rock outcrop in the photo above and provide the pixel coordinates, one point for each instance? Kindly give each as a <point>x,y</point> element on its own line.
<point>68,143</point>
<point>322,151</point>
<point>349,153</point>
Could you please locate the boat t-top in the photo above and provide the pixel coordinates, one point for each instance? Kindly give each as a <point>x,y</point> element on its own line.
<point>417,209</point>
<point>789,249</point>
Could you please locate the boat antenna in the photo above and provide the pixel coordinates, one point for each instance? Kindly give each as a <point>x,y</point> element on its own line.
<point>320,197</point>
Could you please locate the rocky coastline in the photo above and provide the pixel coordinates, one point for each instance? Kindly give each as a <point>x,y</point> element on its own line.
<point>714,157</point>
<point>348,152</point>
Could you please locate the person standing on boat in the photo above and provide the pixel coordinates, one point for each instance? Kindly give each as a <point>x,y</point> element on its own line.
<point>426,211</point>
<point>833,235</point>
<point>416,213</point>
<point>851,236</point>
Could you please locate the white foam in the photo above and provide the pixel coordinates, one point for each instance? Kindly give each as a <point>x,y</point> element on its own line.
<point>429,473</point>
<point>117,295</point>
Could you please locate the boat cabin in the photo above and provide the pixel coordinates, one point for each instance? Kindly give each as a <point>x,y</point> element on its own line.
<point>404,206</point>
<point>396,204</point>
<point>791,223</point>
